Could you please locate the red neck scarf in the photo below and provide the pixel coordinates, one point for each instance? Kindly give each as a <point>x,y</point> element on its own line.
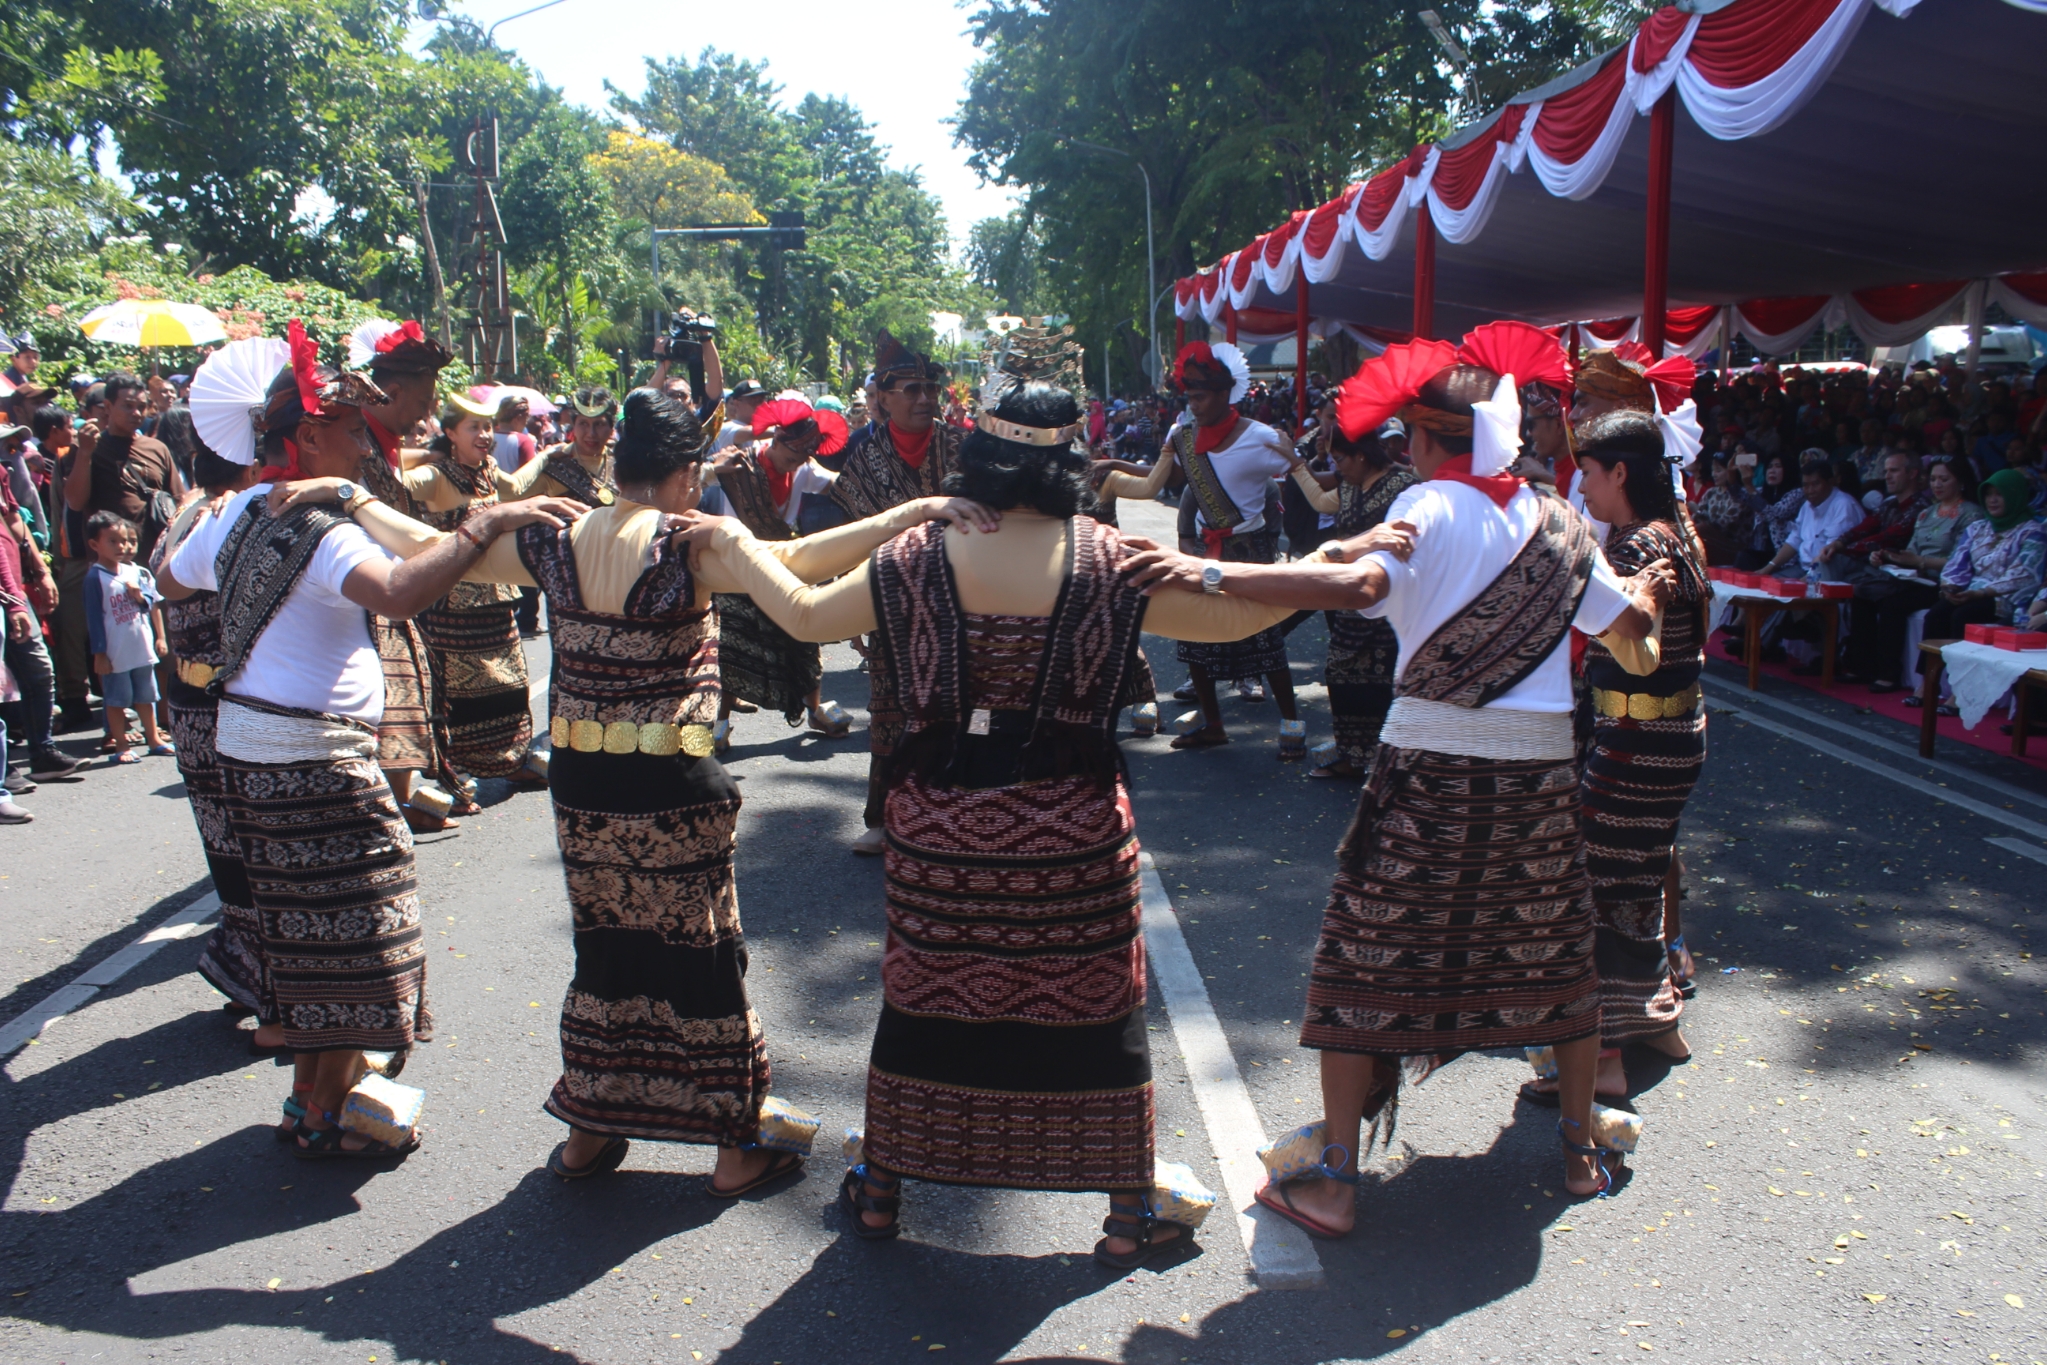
<point>386,442</point>
<point>1207,439</point>
<point>911,446</point>
<point>779,483</point>
<point>1501,488</point>
<point>288,472</point>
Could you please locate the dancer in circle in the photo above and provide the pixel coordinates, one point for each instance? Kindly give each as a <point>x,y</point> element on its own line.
<point>1012,1048</point>
<point>1460,918</point>
<point>581,468</point>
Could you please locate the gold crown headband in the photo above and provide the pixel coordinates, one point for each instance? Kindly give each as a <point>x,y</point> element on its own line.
<point>1023,435</point>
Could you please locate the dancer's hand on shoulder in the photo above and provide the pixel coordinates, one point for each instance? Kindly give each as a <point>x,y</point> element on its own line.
<point>554,512</point>
<point>964,514</point>
<point>297,493</point>
<point>1158,568</point>
<point>1393,537</point>
<point>696,529</point>
<point>1658,582</point>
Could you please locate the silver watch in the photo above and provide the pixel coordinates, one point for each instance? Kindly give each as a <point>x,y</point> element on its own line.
<point>1212,578</point>
<point>347,493</point>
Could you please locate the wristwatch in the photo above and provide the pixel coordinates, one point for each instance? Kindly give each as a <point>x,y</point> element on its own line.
<point>1212,578</point>
<point>346,493</point>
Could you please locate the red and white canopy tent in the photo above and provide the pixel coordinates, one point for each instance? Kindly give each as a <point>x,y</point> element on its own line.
<point>1835,166</point>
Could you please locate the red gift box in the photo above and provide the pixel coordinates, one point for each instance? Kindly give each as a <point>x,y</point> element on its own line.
<point>1980,634</point>
<point>1837,591</point>
<point>1716,574</point>
<point>2020,639</point>
<point>1782,587</point>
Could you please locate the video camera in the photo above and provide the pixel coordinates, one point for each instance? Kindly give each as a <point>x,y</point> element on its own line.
<point>687,333</point>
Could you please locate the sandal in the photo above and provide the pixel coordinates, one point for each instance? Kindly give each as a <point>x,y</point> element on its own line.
<point>1682,968</point>
<point>1118,1224</point>
<point>1598,1155</point>
<point>132,740</point>
<point>1293,741</point>
<point>323,1144</point>
<point>606,1160</point>
<point>1275,1197</point>
<point>127,757</point>
<point>1144,720</point>
<point>1947,708</point>
<point>294,1114</point>
<point>1205,737</point>
<point>831,721</point>
<point>784,1163</point>
<point>163,750</point>
<point>855,1200</point>
<point>1915,701</point>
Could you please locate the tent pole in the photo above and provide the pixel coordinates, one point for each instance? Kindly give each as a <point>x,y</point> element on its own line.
<point>1574,346</point>
<point>1230,323</point>
<point>1424,273</point>
<point>1300,350</point>
<point>1726,341</point>
<point>1656,256</point>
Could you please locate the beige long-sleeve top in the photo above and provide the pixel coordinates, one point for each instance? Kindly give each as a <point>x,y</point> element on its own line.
<point>1017,571</point>
<point>1321,499</point>
<point>435,491</point>
<point>615,545</point>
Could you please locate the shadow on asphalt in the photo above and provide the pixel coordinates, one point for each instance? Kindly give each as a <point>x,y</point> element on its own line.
<point>27,993</point>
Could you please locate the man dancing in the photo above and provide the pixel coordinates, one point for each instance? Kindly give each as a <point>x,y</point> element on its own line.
<point>905,453</point>
<point>1230,462</point>
<point>1461,918</point>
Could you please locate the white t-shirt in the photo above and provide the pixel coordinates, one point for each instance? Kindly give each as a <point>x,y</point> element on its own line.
<point>316,654</point>
<point>1245,466</point>
<point>1819,527</point>
<point>730,432</point>
<point>1462,542</point>
<point>810,479</point>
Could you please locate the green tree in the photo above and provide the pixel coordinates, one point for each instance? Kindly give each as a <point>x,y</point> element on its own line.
<point>58,212</point>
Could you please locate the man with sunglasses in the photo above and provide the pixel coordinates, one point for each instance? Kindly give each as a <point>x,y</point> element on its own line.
<point>903,454</point>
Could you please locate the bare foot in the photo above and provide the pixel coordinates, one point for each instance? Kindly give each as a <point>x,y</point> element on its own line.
<point>1582,1175</point>
<point>1612,1079</point>
<point>583,1147</point>
<point>737,1166</point>
<point>269,1035</point>
<point>1671,1044</point>
<point>1126,1216</point>
<point>1332,1203</point>
<point>1207,737</point>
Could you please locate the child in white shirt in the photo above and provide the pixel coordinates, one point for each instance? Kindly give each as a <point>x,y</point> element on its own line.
<point>126,630</point>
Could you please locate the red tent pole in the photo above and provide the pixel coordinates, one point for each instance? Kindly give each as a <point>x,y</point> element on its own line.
<point>1230,323</point>
<point>1574,346</point>
<point>1424,273</point>
<point>1656,256</point>
<point>1300,348</point>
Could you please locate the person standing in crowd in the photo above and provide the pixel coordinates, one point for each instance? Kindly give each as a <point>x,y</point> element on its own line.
<point>1232,517</point>
<point>117,469</point>
<point>1884,603</point>
<point>126,630</point>
<point>27,659</point>
<point>1649,741</point>
<point>232,959</point>
<point>22,359</point>
<point>69,655</point>
<point>1359,671</point>
<point>511,444</point>
<point>472,636</point>
<point>1461,918</point>
<point>580,469</point>
<point>903,453</point>
<point>328,857</point>
<point>740,405</point>
<point>1006,816</point>
<point>765,482</point>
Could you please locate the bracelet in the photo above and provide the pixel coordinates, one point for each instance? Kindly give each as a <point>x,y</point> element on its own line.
<point>470,536</point>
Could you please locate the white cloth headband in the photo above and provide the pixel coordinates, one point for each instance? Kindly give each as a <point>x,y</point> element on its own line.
<point>1496,430</point>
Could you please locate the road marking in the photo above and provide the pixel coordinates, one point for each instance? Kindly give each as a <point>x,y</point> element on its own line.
<point>2022,848</point>
<point>1281,1255</point>
<point>191,920</point>
<point>1719,695</point>
<point>1917,784</point>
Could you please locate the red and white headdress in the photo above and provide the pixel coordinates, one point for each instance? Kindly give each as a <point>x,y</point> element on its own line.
<point>788,412</point>
<point>1201,365</point>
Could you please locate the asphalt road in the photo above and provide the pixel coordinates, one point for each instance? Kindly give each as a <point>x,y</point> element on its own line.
<point>1860,1178</point>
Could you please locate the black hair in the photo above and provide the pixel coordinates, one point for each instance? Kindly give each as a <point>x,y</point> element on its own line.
<point>1005,474</point>
<point>1366,447</point>
<point>120,382</point>
<point>213,471</point>
<point>174,429</point>
<point>46,420</point>
<point>1824,468</point>
<point>594,395</point>
<point>101,522</point>
<point>1964,473</point>
<point>1630,439</point>
<point>1455,390</point>
<point>657,435</point>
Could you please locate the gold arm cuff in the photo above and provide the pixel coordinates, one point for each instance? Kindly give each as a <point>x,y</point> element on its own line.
<point>1644,706</point>
<point>195,674</point>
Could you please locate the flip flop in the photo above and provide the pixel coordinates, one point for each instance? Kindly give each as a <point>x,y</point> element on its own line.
<point>1284,1207</point>
<point>785,1163</point>
<point>606,1160</point>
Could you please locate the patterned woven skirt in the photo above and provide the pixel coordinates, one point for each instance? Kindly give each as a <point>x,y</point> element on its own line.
<point>1461,918</point>
<point>1637,781</point>
<point>480,675</point>
<point>760,662</point>
<point>1359,676</point>
<point>232,960</point>
<point>405,736</point>
<point>658,1040</point>
<point>329,862</point>
<point>1011,1049</point>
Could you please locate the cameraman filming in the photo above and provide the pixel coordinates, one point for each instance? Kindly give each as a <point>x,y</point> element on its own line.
<point>693,340</point>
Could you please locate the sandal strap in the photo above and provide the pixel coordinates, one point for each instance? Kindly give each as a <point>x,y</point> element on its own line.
<point>1329,1172</point>
<point>1577,1148</point>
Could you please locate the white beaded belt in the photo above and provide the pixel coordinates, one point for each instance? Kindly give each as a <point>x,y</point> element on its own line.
<point>257,736</point>
<point>1479,731</point>
<point>658,738</point>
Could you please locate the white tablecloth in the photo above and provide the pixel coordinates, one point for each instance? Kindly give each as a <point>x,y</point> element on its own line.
<point>1980,674</point>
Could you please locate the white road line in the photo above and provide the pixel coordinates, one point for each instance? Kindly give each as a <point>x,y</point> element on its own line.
<point>2022,848</point>
<point>1720,694</point>
<point>1917,784</point>
<point>191,920</point>
<point>1281,1255</point>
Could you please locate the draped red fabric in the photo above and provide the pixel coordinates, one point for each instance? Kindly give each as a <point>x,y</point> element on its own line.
<point>1461,172</point>
<point>1657,36</point>
<point>1240,267</point>
<point>1320,229</point>
<point>1750,39</point>
<point>1264,324</point>
<point>1609,329</point>
<point>1211,282</point>
<point>1775,317</point>
<point>1276,240</point>
<point>1571,122</point>
<point>1683,325</point>
<point>1903,302</point>
<point>2032,285</point>
<point>1185,290</point>
<point>1383,190</point>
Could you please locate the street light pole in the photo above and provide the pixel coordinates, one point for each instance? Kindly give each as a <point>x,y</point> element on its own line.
<point>492,30</point>
<point>1151,277</point>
